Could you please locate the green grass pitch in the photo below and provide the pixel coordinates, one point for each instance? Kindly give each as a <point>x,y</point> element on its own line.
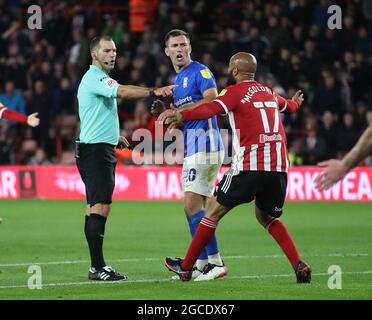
<point>139,234</point>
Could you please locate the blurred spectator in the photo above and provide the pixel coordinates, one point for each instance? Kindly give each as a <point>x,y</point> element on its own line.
<point>6,146</point>
<point>226,45</point>
<point>14,66</point>
<point>347,134</point>
<point>327,96</point>
<point>276,35</point>
<point>257,44</point>
<point>163,22</point>
<point>64,98</point>
<point>320,15</point>
<point>39,158</point>
<point>272,82</point>
<point>360,115</point>
<point>296,70</point>
<point>79,56</point>
<point>348,34</point>
<point>361,74</point>
<point>363,42</point>
<point>311,61</point>
<point>41,102</point>
<point>313,148</point>
<point>297,38</point>
<point>328,130</point>
<point>113,29</point>
<point>345,92</point>
<point>282,67</point>
<point>162,78</point>
<point>330,46</point>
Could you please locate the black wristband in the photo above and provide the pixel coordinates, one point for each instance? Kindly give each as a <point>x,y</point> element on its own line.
<point>123,146</point>
<point>152,93</point>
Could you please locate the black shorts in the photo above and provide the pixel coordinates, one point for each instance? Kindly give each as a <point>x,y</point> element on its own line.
<point>96,164</point>
<point>268,188</point>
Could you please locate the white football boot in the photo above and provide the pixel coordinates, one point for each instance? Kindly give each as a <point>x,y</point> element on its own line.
<point>212,272</point>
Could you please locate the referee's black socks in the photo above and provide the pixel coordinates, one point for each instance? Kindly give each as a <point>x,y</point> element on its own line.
<point>94,232</point>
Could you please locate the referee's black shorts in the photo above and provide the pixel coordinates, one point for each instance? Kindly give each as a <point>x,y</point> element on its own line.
<point>96,165</point>
<point>267,188</point>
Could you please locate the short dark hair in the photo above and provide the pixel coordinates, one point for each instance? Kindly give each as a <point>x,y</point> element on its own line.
<point>175,33</point>
<point>95,41</point>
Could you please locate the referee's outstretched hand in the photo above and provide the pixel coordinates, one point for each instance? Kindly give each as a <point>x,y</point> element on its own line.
<point>164,91</point>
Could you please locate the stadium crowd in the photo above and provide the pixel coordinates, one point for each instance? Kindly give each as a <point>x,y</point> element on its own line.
<point>40,70</point>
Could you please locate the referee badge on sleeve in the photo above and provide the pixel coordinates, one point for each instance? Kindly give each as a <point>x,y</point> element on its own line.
<point>110,83</point>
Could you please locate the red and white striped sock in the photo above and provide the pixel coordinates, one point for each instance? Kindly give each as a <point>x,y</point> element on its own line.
<point>203,235</point>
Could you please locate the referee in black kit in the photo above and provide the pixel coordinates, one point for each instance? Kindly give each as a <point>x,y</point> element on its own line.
<point>95,148</point>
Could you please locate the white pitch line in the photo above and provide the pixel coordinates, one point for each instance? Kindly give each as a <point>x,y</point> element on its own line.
<point>82,283</point>
<point>290,275</point>
<point>21,264</point>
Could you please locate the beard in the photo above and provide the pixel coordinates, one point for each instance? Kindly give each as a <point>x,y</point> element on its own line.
<point>230,80</point>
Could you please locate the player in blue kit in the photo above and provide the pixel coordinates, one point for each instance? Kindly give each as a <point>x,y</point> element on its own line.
<point>203,147</point>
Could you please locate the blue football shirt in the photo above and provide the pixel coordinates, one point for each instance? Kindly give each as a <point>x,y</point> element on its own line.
<point>199,135</point>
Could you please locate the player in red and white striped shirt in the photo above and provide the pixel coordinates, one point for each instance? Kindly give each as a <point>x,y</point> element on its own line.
<point>260,163</point>
<point>32,120</point>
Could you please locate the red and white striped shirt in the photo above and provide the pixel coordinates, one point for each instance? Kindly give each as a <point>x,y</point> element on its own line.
<point>11,115</point>
<point>259,140</point>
